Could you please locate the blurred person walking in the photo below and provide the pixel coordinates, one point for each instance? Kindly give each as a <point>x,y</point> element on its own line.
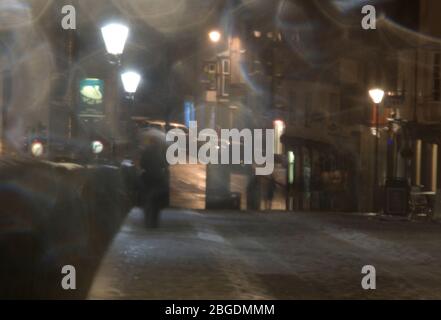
<point>153,186</point>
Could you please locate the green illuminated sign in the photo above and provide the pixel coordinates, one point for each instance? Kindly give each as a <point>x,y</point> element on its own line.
<point>91,97</point>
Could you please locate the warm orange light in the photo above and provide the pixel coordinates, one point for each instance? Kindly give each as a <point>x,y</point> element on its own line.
<point>279,123</point>
<point>214,36</point>
<point>376,95</point>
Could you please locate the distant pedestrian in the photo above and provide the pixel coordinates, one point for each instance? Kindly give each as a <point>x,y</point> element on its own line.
<point>153,184</point>
<point>272,185</point>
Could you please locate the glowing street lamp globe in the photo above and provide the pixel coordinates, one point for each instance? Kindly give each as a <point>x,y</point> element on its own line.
<point>97,147</point>
<point>115,36</point>
<point>376,95</point>
<point>37,149</point>
<point>214,36</point>
<point>131,81</point>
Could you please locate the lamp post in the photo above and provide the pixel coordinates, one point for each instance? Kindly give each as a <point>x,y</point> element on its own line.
<point>377,96</point>
<point>115,36</point>
<point>214,37</point>
<point>131,81</point>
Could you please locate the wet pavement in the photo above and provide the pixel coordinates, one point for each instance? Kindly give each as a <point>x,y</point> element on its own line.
<point>187,186</point>
<point>232,255</point>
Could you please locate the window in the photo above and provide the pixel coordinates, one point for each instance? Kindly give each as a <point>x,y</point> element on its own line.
<point>210,75</point>
<point>225,78</point>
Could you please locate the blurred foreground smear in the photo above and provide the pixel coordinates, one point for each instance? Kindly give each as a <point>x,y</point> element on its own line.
<point>84,113</point>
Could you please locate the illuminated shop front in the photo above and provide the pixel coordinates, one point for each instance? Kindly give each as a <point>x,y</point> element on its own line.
<point>320,178</point>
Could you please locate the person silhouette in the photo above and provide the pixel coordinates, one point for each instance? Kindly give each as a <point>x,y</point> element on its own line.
<point>272,185</point>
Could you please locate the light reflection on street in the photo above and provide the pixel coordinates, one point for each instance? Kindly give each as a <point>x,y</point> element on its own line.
<point>232,255</point>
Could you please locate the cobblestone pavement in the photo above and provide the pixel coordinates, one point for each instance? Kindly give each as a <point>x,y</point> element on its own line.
<point>231,255</point>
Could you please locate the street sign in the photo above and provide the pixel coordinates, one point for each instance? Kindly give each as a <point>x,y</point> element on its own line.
<point>91,98</point>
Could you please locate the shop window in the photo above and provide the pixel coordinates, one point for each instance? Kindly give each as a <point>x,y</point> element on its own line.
<point>225,77</point>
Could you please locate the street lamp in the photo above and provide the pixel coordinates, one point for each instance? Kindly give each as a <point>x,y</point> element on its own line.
<point>131,80</point>
<point>37,149</point>
<point>214,36</point>
<point>97,147</point>
<point>115,37</point>
<point>377,96</point>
